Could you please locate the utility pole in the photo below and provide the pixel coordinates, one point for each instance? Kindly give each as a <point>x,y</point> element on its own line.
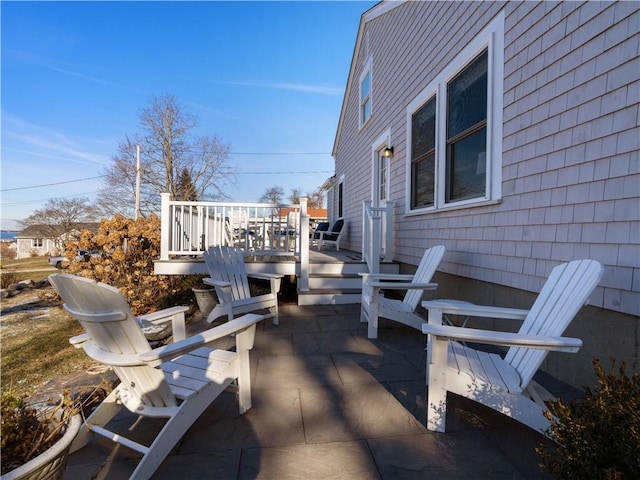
<point>137,213</point>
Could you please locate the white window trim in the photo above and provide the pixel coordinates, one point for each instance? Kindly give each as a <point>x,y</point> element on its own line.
<point>491,37</point>
<point>367,69</point>
<point>380,143</point>
<point>339,199</point>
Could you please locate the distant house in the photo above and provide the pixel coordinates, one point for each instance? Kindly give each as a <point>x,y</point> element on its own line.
<point>508,132</point>
<point>35,240</point>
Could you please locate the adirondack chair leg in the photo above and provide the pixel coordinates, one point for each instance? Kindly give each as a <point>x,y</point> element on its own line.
<point>178,327</point>
<point>437,385</point>
<point>275,288</point>
<point>372,330</point>
<point>436,380</point>
<point>174,429</point>
<point>103,413</point>
<point>244,343</point>
<point>365,301</point>
<point>220,310</point>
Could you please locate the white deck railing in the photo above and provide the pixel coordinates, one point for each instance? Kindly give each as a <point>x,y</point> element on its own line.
<point>377,234</point>
<point>189,228</point>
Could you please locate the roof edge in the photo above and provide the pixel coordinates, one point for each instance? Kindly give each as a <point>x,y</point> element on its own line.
<point>374,12</point>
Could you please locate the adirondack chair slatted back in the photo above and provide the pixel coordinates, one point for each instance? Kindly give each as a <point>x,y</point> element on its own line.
<point>427,267</point>
<point>106,317</point>
<point>564,293</point>
<point>227,264</point>
<point>335,230</point>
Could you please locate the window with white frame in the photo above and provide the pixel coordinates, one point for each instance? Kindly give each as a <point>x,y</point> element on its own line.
<point>365,94</point>
<point>454,129</point>
<point>383,174</point>
<point>37,242</point>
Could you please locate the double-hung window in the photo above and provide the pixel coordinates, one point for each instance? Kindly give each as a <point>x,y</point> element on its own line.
<point>454,129</point>
<point>365,94</point>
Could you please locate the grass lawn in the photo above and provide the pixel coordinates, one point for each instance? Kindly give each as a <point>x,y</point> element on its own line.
<point>38,268</point>
<point>35,331</point>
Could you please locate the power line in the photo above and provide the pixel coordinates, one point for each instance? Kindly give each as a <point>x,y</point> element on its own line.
<point>26,202</point>
<point>102,176</point>
<point>282,173</point>
<point>279,153</point>
<point>50,184</point>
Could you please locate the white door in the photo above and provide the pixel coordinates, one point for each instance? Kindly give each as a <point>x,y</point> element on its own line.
<point>381,164</point>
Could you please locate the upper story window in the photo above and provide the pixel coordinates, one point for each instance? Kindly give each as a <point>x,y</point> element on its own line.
<point>365,94</point>
<point>454,129</point>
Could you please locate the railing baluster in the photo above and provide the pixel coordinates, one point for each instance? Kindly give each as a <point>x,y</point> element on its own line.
<point>189,228</point>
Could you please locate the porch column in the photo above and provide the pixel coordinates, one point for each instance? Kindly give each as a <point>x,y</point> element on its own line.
<point>165,229</point>
<point>304,246</point>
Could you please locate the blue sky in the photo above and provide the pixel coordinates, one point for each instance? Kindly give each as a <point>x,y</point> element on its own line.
<point>266,77</point>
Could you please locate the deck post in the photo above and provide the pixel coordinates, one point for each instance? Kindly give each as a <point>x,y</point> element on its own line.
<point>165,227</point>
<point>388,232</point>
<point>375,242</point>
<point>304,247</point>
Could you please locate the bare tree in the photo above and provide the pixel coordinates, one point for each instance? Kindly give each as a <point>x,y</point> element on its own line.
<point>316,198</point>
<point>272,195</point>
<point>295,195</point>
<point>60,217</point>
<point>168,151</point>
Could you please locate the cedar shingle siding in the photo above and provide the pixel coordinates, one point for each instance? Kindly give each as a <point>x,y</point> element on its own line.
<point>570,181</point>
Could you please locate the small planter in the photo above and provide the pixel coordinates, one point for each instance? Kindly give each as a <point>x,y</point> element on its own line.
<point>51,464</point>
<point>206,299</point>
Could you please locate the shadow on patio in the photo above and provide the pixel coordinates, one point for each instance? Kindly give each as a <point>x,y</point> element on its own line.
<point>330,403</point>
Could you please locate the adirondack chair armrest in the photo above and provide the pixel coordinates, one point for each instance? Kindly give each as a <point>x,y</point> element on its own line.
<point>386,276</point>
<point>328,234</point>
<point>175,315</point>
<point>265,276</point>
<point>275,279</point>
<point>163,316</point>
<point>471,310</point>
<point>404,286</point>
<point>223,289</point>
<point>559,344</point>
<point>215,283</point>
<point>78,340</point>
<point>158,355</point>
<point>119,360</point>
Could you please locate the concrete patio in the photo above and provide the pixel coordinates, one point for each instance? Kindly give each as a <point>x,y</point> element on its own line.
<point>329,403</point>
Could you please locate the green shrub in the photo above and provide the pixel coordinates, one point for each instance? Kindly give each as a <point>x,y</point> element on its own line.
<point>597,437</point>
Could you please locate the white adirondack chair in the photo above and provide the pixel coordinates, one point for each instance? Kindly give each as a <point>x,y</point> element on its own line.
<point>177,381</point>
<point>505,385</point>
<point>330,237</point>
<point>374,304</point>
<point>228,275</point>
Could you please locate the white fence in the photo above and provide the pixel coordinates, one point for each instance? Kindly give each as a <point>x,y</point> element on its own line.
<point>189,228</point>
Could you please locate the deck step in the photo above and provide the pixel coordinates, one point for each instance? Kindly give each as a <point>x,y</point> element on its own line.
<point>337,282</point>
<point>329,297</point>
<point>343,287</point>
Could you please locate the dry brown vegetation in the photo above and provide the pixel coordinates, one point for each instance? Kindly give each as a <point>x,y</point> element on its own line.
<point>34,333</point>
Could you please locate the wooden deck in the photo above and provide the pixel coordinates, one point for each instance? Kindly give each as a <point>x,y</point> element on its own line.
<point>285,265</point>
<point>333,277</point>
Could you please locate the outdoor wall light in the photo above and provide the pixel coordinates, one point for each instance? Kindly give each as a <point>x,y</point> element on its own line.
<point>387,152</point>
